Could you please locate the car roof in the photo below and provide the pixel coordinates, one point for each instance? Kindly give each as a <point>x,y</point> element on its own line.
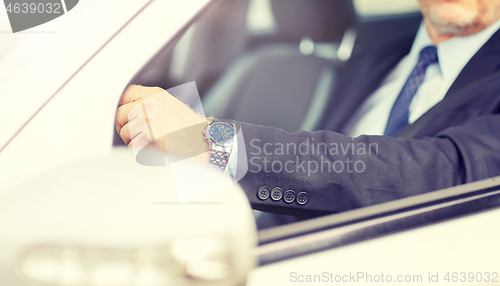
<point>28,77</point>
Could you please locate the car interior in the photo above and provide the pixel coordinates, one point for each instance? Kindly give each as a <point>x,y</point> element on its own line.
<point>249,57</point>
<point>246,65</point>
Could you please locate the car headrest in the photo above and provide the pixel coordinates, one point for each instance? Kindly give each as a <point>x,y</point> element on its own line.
<point>322,20</point>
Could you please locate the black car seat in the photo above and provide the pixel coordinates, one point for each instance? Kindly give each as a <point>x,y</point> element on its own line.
<point>286,83</point>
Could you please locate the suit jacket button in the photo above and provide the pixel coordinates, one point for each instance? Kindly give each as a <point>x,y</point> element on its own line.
<point>289,196</point>
<point>276,194</point>
<point>263,193</point>
<point>302,198</point>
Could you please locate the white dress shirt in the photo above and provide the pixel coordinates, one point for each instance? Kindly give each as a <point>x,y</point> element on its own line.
<point>454,54</point>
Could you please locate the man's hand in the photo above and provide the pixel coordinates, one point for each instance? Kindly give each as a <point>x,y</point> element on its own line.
<point>148,114</point>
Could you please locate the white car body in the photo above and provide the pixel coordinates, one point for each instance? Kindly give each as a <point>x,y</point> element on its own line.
<point>66,112</point>
<point>464,245</point>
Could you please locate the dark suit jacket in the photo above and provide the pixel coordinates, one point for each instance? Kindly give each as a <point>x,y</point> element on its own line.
<point>455,142</point>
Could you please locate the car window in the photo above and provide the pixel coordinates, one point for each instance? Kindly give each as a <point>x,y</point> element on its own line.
<point>220,50</point>
<point>260,18</point>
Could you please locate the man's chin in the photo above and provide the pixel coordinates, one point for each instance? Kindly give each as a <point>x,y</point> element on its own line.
<point>452,18</point>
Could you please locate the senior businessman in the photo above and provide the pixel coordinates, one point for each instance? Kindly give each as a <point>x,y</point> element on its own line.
<point>406,117</point>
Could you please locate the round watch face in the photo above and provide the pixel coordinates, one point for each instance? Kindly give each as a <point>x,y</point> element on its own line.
<point>221,133</point>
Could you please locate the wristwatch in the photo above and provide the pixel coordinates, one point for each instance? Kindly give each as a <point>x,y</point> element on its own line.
<point>220,137</point>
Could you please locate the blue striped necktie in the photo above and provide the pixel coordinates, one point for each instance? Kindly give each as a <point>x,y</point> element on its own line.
<point>400,113</point>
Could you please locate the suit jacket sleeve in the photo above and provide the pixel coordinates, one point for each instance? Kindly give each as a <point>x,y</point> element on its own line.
<point>340,173</point>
